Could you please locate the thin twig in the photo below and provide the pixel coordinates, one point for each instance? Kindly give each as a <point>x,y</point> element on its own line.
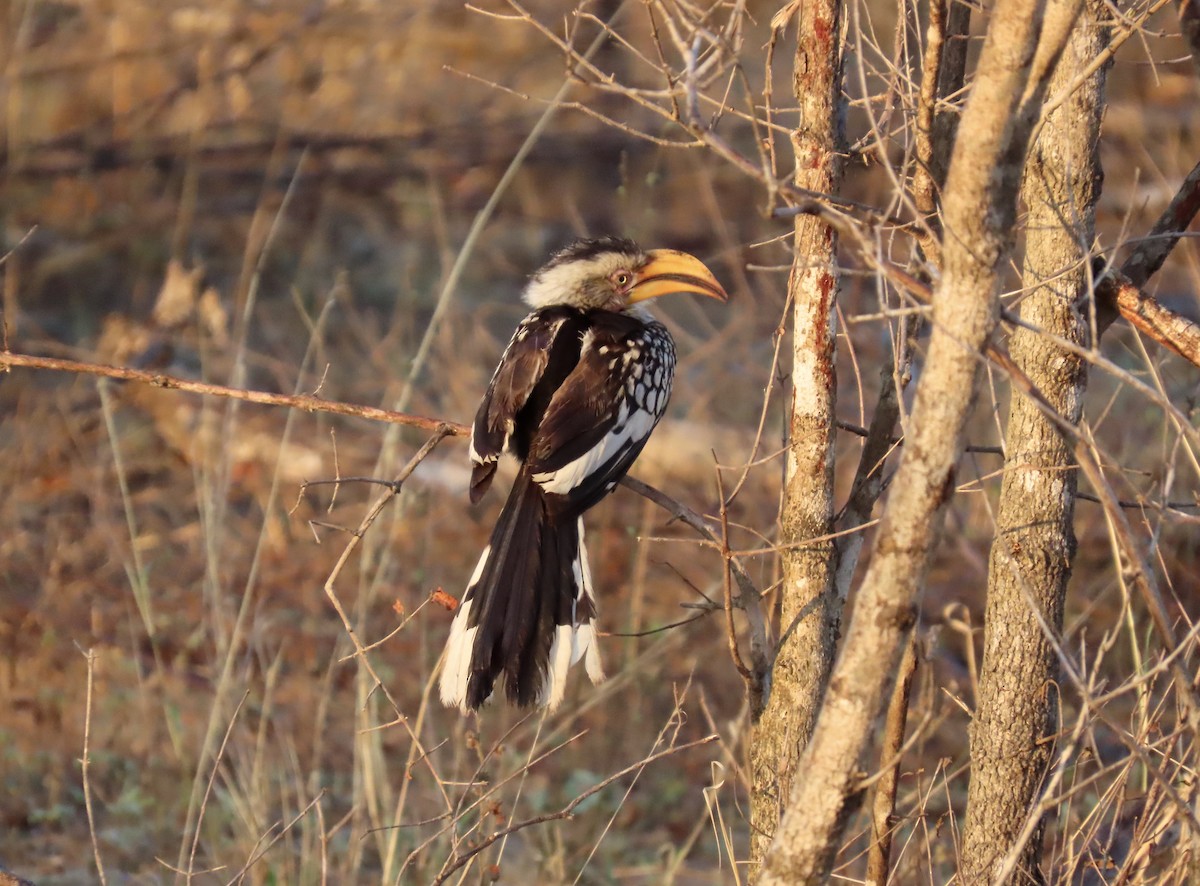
<point>308,403</point>
<point>883,820</point>
<point>212,777</point>
<point>315,802</point>
<point>569,809</point>
<point>749,597</point>
<point>440,434</point>
<point>753,681</point>
<point>85,762</point>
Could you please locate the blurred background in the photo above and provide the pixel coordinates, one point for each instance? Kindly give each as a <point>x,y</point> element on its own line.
<point>276,195</point>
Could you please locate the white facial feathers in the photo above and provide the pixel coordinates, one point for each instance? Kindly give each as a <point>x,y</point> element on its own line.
<point>584,282</point>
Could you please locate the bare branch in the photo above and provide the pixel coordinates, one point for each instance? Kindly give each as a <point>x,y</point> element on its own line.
<point>9,360</point>
<point>360,652</point>
<point>1153,249</point>
<point>1032,553</point>
<point>883,821</point>
<point>748,600</point>
<point>1146,314</point>
<point>753,682</point>
<point>980,208</point>
<point>85,763</point>
<point>807,604</point>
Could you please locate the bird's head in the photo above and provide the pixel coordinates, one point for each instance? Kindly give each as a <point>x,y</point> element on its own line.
<point>612,274</point>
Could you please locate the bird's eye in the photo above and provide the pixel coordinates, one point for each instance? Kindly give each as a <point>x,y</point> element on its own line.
<point>622,278</point>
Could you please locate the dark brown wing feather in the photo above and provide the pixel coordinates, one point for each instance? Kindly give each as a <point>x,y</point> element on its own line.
<point>543,350</point>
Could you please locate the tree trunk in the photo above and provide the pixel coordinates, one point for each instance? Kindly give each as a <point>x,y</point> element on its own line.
<point>980,213</point>
<point>809,608</point>
<point>1016,711</point>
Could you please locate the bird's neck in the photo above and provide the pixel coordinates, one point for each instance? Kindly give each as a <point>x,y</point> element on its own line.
<point>639,312</point>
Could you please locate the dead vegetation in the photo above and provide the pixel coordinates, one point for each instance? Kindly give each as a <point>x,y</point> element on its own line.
<point>287,198</point>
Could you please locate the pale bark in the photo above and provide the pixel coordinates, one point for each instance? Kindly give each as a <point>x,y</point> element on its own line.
<point>980,211</point>
<point>1016,709</point>
<point>809,610</point>
<point>942,72</point>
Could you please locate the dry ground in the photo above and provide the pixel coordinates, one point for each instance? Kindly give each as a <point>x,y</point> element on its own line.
<point>323,167</point>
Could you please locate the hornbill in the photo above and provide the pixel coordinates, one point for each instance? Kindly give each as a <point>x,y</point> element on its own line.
<point>583,382</point>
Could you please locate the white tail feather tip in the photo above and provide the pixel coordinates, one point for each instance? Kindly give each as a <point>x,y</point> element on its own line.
<point>592,664</point>
<point>560,663</point>
<point>456,667</point>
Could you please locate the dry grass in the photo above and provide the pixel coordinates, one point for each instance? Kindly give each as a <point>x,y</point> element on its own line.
<point>158,556</point>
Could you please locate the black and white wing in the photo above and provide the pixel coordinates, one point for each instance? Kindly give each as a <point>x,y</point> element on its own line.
<point>547,339</point>
<point>600,417</point>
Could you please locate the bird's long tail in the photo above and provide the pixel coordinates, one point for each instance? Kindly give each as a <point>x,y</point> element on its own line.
<point>527,612</point>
